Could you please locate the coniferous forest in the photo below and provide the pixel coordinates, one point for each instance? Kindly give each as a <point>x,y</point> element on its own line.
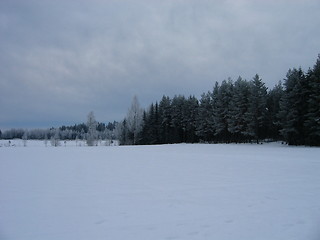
<point>233,112</point>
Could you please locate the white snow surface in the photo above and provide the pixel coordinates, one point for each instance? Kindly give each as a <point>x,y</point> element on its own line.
<point>181,191</point>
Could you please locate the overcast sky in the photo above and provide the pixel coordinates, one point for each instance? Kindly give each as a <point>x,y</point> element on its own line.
<point>61,59</point>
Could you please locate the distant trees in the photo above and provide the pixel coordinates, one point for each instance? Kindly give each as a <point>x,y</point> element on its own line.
<point>240,111</point>
<point>300,107</point>
<point>232,112</point>
<point>312,120</point>
<point>75,132</point>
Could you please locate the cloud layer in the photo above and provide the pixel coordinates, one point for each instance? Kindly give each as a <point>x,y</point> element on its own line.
<point>61,59</point>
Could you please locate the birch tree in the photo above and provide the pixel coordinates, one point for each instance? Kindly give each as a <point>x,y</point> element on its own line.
<point>92,131</point>
<point>134,120</point>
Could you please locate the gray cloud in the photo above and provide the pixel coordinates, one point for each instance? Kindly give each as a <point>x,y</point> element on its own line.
<point>61,59</point>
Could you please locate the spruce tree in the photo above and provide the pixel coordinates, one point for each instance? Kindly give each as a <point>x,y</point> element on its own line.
<point>312,121</point>
<point>237,122</point>
<point>256,114</point>
<point>222,111</point>
<point>293,108</point>
<point>190,119</point>
<point>165,119</point>
<point>205,119</point>
<point>177,106</point>
<point>273,109</point>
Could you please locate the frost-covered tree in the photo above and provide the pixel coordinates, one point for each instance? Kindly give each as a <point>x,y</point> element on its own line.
<point>46,139</point>
<point>134,120</point>
<point>92,132</point>
<point>55,138</point>
<point>25,138</point>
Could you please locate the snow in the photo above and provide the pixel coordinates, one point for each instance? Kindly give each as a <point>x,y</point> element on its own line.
<point>182,191</point>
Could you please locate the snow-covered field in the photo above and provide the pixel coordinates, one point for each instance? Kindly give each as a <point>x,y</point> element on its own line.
<point>184,191</point>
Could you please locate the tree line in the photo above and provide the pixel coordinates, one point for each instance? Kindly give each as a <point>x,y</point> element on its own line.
<point>234,111</point>
<point>90,131</point>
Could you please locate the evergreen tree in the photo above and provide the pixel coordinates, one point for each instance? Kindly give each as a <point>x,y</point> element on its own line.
<point>257,109</point>
<point>312,121</point>
<point>222,111</point>
<point>237,122</point>
<point>293,108</point>
<point>273,109</point>
<point>189,123</point>
<point>205,121</point>
<point>150,126</point>
<point>165,120</point>
<point>177,106</point>
<point>156,124</point>
<point>144,136</point>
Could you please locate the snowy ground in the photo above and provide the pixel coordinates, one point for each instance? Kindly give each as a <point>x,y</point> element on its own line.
<point>223,192</point>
